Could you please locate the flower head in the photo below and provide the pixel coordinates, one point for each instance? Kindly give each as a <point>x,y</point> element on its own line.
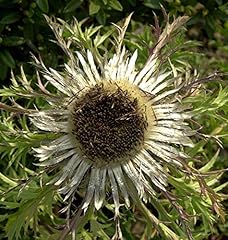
<point>116,126</point>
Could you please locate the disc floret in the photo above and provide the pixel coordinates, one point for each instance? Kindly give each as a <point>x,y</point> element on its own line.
<point>108,122</point>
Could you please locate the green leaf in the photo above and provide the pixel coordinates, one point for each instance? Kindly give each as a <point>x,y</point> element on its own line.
<point>210,164</point>
<point>115,4</point>
<point>3,71</point>
<point>13,41</point>
<point>152,4</point>
<point>97,229</point>
<point>3,217</point>
<point>93,8</point>
<point>72,5</point>
<point>100,39</point>
<point>7,180</point>
<point>219,2</point>
<point>132,2</point>
<point>27,212</point>
<point>101,17</point>
<point>43,5</point>
<point>11,18</point>
<point>7,58</point>
<point>9,205</point>
<point>221,187</point>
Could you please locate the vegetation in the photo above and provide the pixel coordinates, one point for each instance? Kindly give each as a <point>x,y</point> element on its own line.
<point>30,209</point>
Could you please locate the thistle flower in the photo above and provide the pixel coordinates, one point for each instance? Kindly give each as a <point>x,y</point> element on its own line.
<point>109,126</point>
<point>117,126</point>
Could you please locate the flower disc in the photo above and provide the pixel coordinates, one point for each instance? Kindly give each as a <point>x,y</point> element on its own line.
<point>108,122</point>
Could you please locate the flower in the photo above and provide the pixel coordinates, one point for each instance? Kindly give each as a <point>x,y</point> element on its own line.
<point>116,126</point>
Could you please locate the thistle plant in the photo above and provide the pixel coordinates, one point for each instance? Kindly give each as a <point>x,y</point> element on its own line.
<point>106,136</point>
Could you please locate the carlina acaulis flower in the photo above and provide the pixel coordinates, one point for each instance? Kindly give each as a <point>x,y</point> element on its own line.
<point>108,122</point>
<point>118,128</point>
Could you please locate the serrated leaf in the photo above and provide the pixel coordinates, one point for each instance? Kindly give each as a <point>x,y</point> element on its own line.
<point>115,4</point>
<point>7,58</point>
<point>43,5</point>
<point>93,8</point>
<point>27,211</point>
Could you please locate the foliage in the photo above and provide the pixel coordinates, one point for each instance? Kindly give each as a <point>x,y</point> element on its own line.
<point>30,209</point>
<point>23,28</point>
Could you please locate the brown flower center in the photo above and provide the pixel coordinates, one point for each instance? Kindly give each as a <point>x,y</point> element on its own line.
<point>108,123</point>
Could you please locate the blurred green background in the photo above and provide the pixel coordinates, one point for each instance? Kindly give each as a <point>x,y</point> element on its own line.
<point>24,30</point>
